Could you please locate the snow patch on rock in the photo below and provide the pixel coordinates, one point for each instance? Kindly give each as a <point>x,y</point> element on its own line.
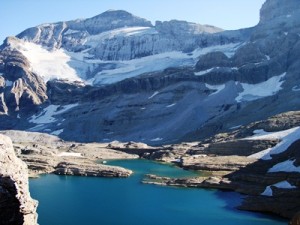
<point>216,88</point>
<point>154,94</point>
<point>47,115</point>
<point>57,132</point>
<point>157,139</point>
<point>282,185</point>
<point>69,154</point>
<point>287,137</point>
<point>169,106</point>
<point>286,166</point>
<point>264,89</point>
<point>48,64</point>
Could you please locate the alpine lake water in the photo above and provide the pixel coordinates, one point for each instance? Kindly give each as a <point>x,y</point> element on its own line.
<point>71,200</point>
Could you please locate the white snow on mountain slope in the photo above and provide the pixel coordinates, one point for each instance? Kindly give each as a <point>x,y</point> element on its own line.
<point>169,106</point>
<point>203,72</point>
<point>48,64</point>
<point>154,94</point>
<point>216,88</point>
<point>57,132</point>
<point>135,67</point>
<point>46,116</point>
<point>256,91</point>
<point>73,66</point>
<point>69,154</point>
<point>282,185</point>
<point>156,139</point>
<point>95,40</point>
<point>287,138</point>
<point>286,166</point>
<point>296,88</point>
<point>263,135</point>
<point>227,49</point>
<point>158,62</point>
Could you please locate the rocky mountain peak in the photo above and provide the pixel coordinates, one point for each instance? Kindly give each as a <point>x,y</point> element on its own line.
<point>273,9</point>
<point>112,19</point>
<point>10,42</point>
<point>119,14</point>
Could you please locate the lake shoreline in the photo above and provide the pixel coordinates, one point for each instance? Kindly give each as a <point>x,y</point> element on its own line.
<point>130,198</point>
<point>52,155</point>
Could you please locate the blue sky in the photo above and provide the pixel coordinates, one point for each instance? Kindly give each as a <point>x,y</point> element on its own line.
<point>17,15</point>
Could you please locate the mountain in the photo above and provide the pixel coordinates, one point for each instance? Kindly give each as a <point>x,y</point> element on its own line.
<point>116,76</point>
<point>233,95</point>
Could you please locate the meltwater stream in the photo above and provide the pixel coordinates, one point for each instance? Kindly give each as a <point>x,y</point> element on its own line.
<point>68,200</point>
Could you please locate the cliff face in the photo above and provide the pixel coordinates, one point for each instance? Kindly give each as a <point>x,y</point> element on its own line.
<point>19,86</point>
<point>273,9</point>
<point>119,35</point>
<point>16,205</point>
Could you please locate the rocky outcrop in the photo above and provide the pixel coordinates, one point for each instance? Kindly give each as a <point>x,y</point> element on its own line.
<point>273,9</point>
<point>277,19</point>
<point>16,206</point>
<point>83,168</point>
<point>195,182</point>
<point>211,60</point>
<point>226,162</point>
<point>215,163</point>
<point>279,122</point>
<point>45,153</point>
<point>132,147</point>
<point>3,107</point>
<point>22,88</point>
<point>239,147</point>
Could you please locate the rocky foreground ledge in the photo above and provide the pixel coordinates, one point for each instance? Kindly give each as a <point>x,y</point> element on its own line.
<point>16,205</point>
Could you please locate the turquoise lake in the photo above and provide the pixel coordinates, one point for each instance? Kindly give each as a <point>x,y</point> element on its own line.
<point>67,200</point>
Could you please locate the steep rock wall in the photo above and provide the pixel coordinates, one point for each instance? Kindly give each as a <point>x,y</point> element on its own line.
<point>16,205</point>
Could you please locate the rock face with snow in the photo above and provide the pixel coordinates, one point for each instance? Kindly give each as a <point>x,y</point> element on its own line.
<point>20,87</point>
<point>16,207</point>
<point>118,35</point>
<point>130,80</point>
<point>260,160</point>
<point>274,177</point>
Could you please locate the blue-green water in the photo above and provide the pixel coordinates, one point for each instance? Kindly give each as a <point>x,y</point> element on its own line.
<point>67,200</point>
